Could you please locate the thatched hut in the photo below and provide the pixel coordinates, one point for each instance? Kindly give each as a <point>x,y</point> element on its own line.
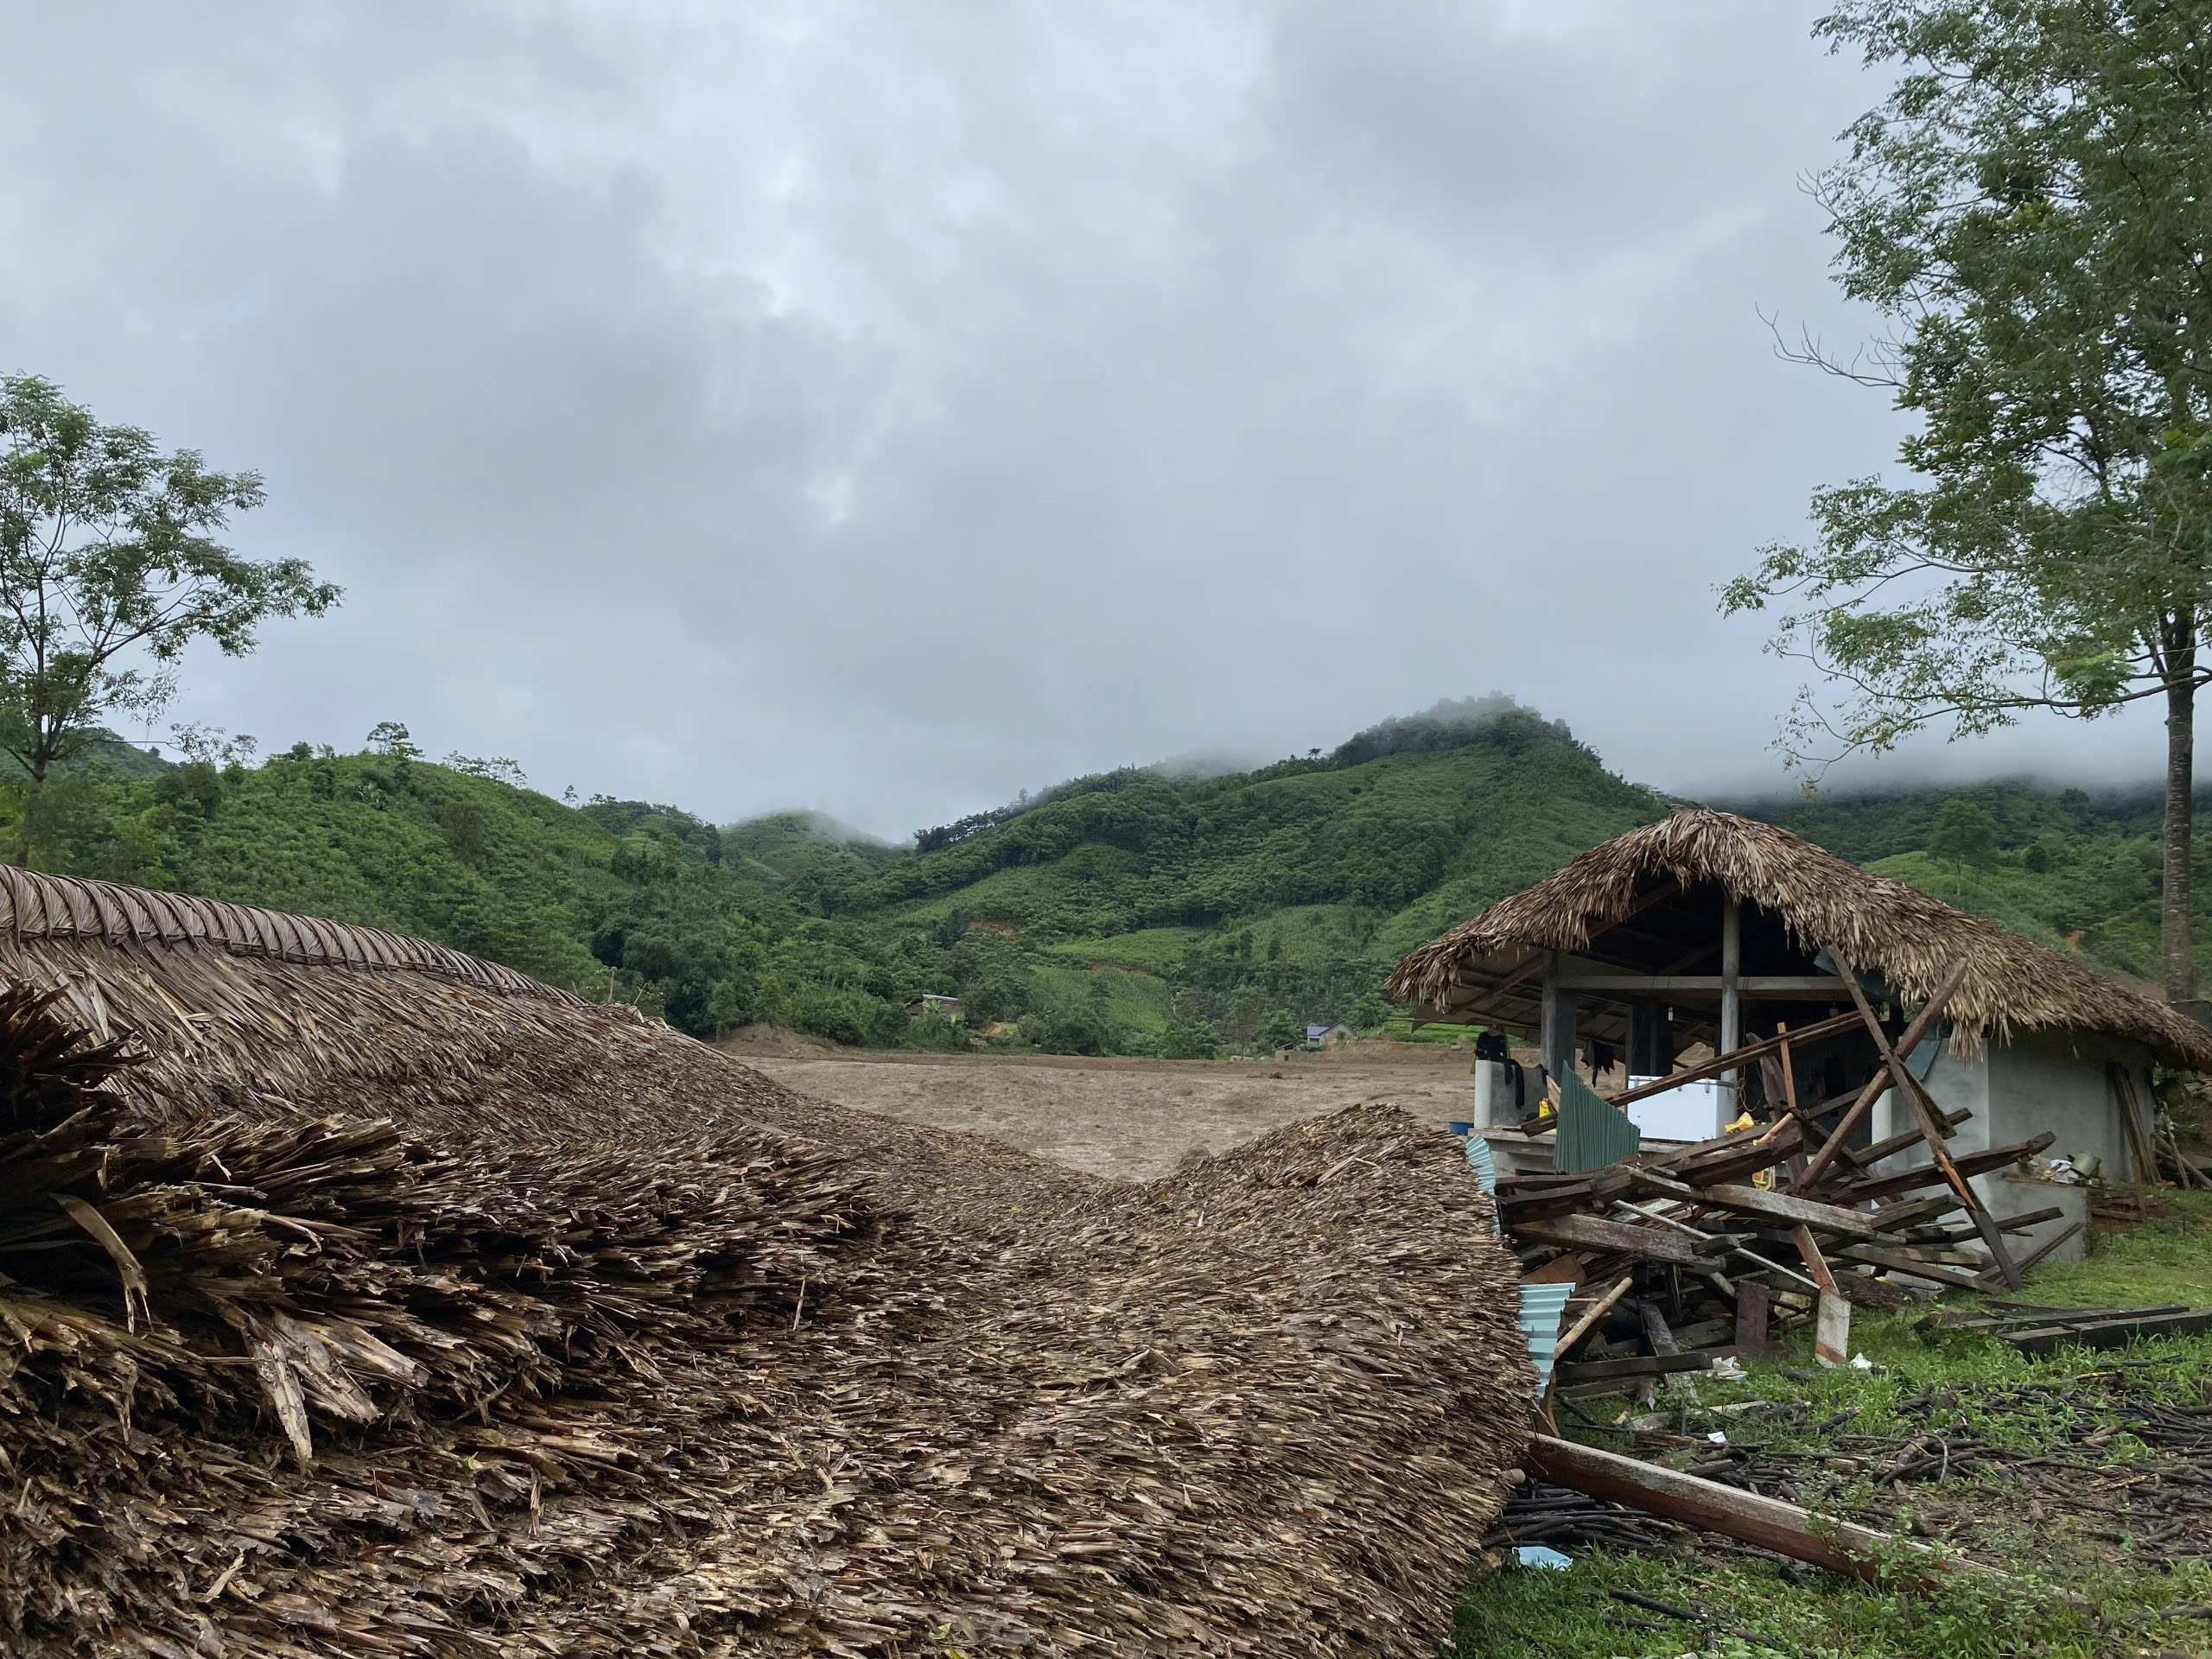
<point>608,1345</point>
<point>1705,925</point>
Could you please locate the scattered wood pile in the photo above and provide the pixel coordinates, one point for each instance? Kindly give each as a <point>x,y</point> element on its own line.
<point>2157,1503</point>
<point>1773,1224</point>
<point>308,1386</point>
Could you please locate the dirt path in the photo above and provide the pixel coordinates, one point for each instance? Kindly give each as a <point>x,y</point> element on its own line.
<point>1129,1118</point>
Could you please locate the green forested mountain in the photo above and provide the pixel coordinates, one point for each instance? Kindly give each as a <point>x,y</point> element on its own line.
<point>1128,911</point>
<point>2074,870</point>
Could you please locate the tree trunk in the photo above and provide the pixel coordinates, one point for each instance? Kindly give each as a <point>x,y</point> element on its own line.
<point>2179,961</point>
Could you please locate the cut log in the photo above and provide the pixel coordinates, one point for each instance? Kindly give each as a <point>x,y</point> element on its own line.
<point>1763,1523</point>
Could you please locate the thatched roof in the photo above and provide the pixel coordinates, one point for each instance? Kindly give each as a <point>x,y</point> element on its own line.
<point>1799,899</point>
<point>275,1015</point>
<point>621,1347</point>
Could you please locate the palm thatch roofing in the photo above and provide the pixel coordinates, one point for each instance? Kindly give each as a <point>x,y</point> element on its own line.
<point>272,1015</point>
<point>1650,901</point>
<point>609,1345</point>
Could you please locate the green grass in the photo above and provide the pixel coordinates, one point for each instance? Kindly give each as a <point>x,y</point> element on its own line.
<point>2059,1597</point>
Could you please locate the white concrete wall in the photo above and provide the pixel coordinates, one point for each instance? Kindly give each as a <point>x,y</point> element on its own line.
<point>2039,1081</point>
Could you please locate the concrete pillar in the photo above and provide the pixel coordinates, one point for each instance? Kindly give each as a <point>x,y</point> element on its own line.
<point>1557,1035</point>
<point>1732,1005</point>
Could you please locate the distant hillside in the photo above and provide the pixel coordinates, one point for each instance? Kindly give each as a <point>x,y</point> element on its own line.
<point>1131,911</point>
<point>2074,870</point>
<point>1290,889</point>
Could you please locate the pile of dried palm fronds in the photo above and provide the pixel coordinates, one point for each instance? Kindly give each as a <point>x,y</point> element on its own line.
<point>316,1386</point>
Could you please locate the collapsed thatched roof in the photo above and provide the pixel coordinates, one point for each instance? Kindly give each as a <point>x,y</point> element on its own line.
<point>272,1015</point>
<point>769,1376</point>
<point>1811,900</point>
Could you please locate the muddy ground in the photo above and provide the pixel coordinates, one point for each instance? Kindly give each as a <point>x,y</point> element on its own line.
<point>1128,1118</point>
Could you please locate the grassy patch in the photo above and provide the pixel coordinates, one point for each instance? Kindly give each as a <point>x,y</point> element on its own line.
<point>2072,1584</point>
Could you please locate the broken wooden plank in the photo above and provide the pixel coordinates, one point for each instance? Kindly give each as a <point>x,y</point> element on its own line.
<point>1763,1523</point>
<point>1924,1111</point>
<point>1588,1319</point>
<point>1873,1154</point>
<point>2019,1224</point>
<point>1923,1023</point>
<point>1600,1370</point>
<point>1898,1261</point>
<point>2139,1138</point>
<point>2112,1333</point>
<point>2042,1249</point>
<point>1974,1163</point>
<point>1566,1265</point>
<point>1735,1058</point>
<point>1795,1211</point>
<point>1754,1312</point>
<point>1580,1232</point>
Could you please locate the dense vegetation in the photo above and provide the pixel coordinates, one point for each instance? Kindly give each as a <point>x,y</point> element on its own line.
<point>2065,867</point>
<point>1125,912</point>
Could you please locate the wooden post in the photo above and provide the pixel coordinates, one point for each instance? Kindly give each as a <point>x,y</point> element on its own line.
<point>1732,1005</point>
<point>1766,1523</point>
<point>1923,1023</point>
<point>1558,1038</point>
<point>1926,1114</point>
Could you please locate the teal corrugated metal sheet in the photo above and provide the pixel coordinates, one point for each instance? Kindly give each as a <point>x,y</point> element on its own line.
<point>1484,1162</point>
<point>1541,1308</point>
<point>1592,1132</point>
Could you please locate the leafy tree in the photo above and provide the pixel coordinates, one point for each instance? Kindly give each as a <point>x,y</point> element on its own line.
<point>1964,833</point>
<point>1188,1038</point>
<point>109,568</point>
<point>1278,1029</point>
<point>2032,209</point>
<point>389,737</point>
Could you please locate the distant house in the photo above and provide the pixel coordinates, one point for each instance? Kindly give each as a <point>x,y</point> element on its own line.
<point>1326,1036</point>
<point>935,1002</point>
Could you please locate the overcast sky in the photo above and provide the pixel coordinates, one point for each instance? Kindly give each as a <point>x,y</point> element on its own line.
<point>886,408</point>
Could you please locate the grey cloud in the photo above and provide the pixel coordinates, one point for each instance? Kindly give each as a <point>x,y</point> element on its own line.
<point>886,409</point>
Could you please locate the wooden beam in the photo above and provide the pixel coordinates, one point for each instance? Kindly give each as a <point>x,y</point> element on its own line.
<point>1590,1316</point>
<point>1871,1155</point>
<point>2040,1250</point>
<point>1771,985</point>
<point>2115,1332</point>
<point>1748,1051</point>
<point>1925,1110</point>
<point>1898,1261</point>
<point>1496,992</point>
<point>1923,1023</point>
<point>1732,1006</point>
<point>1762,1522</point>
<point>1594,1232</point>
<point>1974,1163</point>
<point>2131,1118</point>
<point>1795,1211</point>
<point>1601,1370</point>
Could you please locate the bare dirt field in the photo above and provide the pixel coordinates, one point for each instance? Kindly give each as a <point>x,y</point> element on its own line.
<point>1128,1118</point>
